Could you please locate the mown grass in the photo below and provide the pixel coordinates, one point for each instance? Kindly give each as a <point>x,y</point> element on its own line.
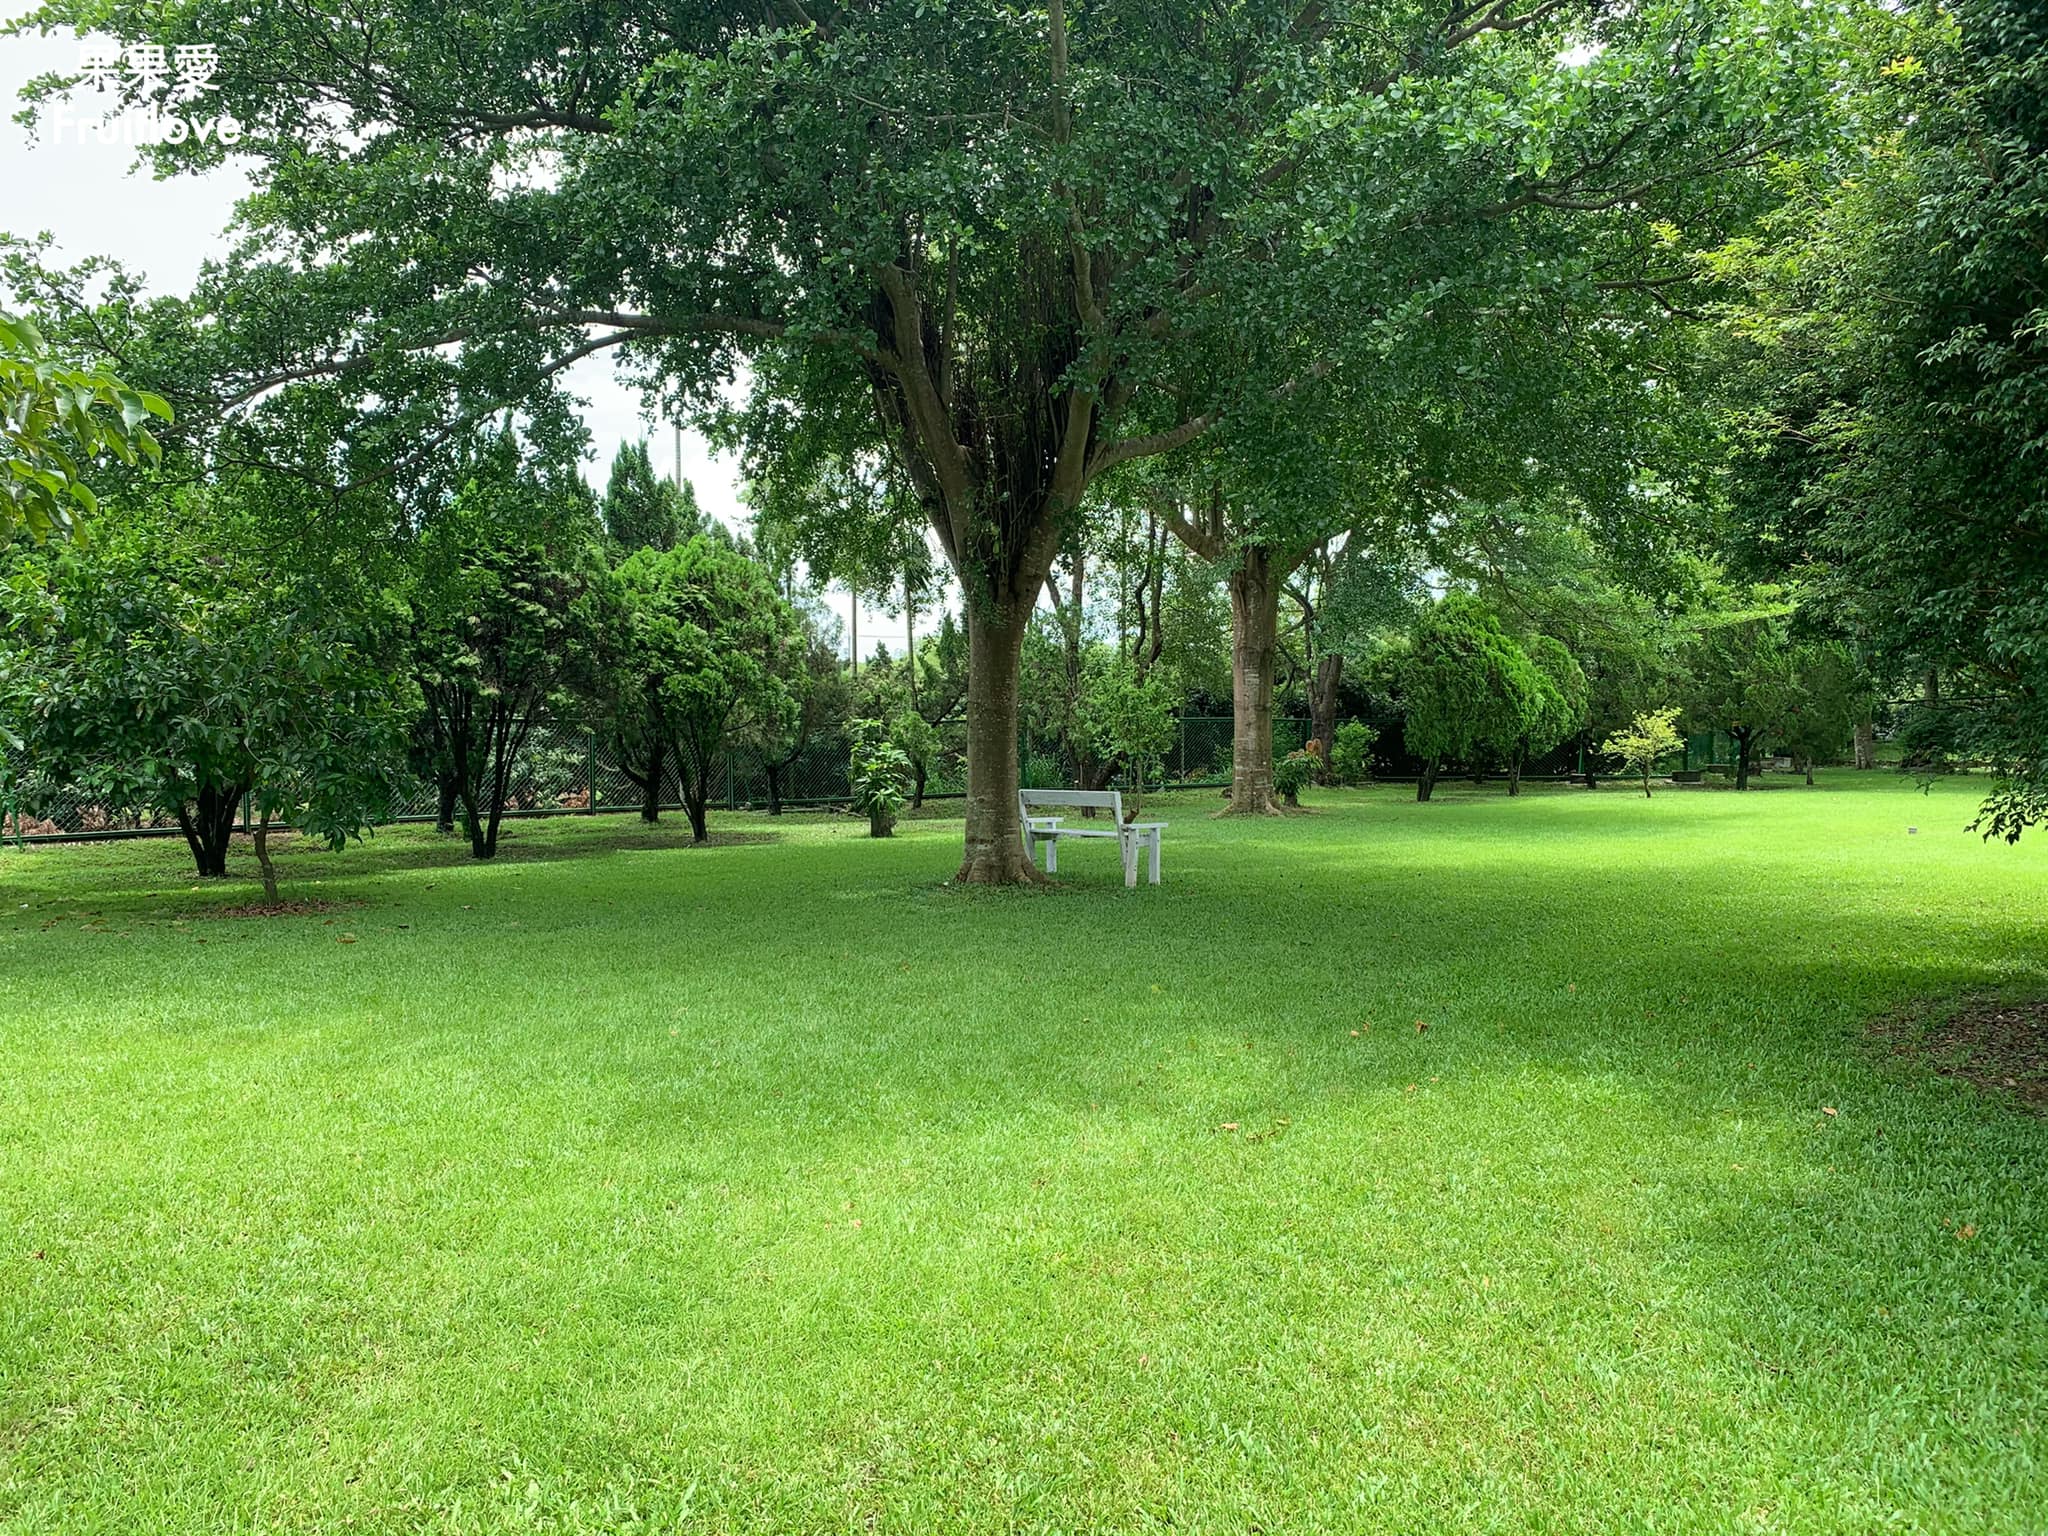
<point>1459,1167</point>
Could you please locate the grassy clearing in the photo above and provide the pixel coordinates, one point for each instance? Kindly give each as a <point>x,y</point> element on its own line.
<point>775,1187</point>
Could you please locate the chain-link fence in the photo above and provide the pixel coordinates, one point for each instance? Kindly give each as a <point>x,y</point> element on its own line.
<point>566,770</point>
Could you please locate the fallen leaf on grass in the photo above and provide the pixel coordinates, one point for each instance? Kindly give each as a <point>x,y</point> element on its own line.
<point>1228,1125</point>
<point>1824,1109</point>
<point>344,938</point>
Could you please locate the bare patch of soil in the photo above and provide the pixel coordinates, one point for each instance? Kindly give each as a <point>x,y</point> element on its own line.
<point>1999,1045</point>
<point>275,909</point>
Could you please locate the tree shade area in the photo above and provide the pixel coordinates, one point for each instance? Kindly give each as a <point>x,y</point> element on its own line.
<point>530,1003</point>
<point>622,1183</point>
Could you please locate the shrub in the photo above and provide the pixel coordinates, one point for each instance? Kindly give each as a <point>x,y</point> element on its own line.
<point>1351,752</point>
<point>880,771</point>
<point>1296,771</point>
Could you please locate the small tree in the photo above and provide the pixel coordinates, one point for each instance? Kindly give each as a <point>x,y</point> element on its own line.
<point>1351,752</point>
<point>878,769</point>
<point>1638,746</point>
<point>715,640</point>
<point>1129,718</point>
<point>502,621</point>
<point>1465,682</point>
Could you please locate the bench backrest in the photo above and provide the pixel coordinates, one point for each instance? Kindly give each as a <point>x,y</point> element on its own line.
<point>1030,801</point>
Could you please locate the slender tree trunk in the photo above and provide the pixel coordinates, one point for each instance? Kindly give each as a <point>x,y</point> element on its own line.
<point>1254,645</point>
<point>1806,766</point>
<point>774,772</point>
<point>994,853</point>
<point>1646,781</point>
<point>696,801</point>
<point>263,857</point>
<point>444,809</point>
<point>1515,773</point>
<point>918,775</point>
<point>650,787</point>
<point>1866,744</point>
<point>1741,758</point>
<point>1322,705</point>
<point>1426,785</point>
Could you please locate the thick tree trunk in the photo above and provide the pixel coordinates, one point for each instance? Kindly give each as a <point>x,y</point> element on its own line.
<point>209,826</point>
<point>1515,774</point>
<point>1254,645</point>
<point>1426,785</point>
<point>1322,705</point>
<point>263,863</point>
<point>1866,744</point>
<point>774,772</point>
<point>918,775</point>
<point>444,810</point>
<point>1741,758</point>
<point>994,853</point>
<point>1806,766</point>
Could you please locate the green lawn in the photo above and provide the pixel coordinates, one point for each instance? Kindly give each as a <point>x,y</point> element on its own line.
<point>775,1187</point>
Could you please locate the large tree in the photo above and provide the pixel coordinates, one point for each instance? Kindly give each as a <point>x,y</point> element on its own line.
<point>1890,385</point>
<point>1010,250</point>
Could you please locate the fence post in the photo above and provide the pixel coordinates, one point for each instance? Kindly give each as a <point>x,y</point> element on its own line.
<point>590,771</point>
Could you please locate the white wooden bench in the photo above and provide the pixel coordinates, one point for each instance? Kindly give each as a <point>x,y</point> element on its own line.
<point>1043,814</point>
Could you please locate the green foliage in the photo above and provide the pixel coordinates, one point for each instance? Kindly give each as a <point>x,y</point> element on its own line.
<point>643,510</point>
<point>1130,717</point>
<point>1296,771</point>
<point>711,654</point>
<point>56,418</point>
<point>165,665</point>
<point>1351,752</point>
<point>880,772</point>
<point>1888,387</point>
<point>1555,706</point>
<point>1465,682</point>
<point>507,598</point>
<point>1647,739</point>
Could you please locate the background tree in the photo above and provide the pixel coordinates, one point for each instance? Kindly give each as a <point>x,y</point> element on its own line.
<point>722,648</point>
<point>1742,677</point>
<point>167,666</point>
<point>502,621</point>
<point>1131,717</point>
<point>1465,683</point>
<point>1889,390</point>
<point>1554,707</point>
<point>644,511</point>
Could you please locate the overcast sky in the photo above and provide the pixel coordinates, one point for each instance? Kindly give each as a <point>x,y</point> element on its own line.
<point>93,201</point>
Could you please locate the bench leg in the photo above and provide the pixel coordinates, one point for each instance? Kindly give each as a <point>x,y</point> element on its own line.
<point>1155,858</point>
<point>1052,855</point>
<point>1127,845</point>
